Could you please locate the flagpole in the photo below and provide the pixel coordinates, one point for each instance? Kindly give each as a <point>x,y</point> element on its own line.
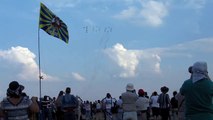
<point>40,76</point>
<point>39,63</point>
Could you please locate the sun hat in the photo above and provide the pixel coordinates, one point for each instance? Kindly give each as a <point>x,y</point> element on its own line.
<point>15,89</point>
<point>130,87</point>
<point>14,85</point>
<point>199,71</point>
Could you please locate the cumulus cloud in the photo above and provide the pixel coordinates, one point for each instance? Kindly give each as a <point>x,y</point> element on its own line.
<point>149,60</point>
<point>77,76</point>
<point>25,60</point>
<point>150,13</point>
<point>129,60</point>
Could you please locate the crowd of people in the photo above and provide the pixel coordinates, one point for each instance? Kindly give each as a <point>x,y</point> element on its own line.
<point>192,102</point>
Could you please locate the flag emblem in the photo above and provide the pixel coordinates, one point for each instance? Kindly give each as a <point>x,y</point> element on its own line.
<point>52,24</point>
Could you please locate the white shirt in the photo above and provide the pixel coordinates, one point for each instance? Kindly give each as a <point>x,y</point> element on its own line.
<point>154,102</point>
<point>109,102</point>
<point>142,103</point>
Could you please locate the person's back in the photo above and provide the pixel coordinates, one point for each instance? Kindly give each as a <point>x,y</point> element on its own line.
<point>16,106</point>
<point>174,106</point>
<point>198,93</point>
<point>129,99</point>
<point>174,102</point>
<point>142,105</point>
<point>18,111</point>
<point>153,100</point>
<point>108,104</point>
<point>198,98</point>
<point>69,104</point>
<point>154,105</point>
<point>181,106</point>
<point>69,101</point>
<point>142,102</point>
<point>164,103</point>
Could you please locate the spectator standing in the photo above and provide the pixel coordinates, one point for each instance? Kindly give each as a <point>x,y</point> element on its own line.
<point>69,104</point>
<point>15,106</point>
<point>181,106</point>
<point>46,110</point>
<point>181,100</point>
<point>88,110</point>
<point>142,104</point>
<point>198,93</point>
<point>108,103</point>
<point>154,105</point>
<point>164,103</point>
<point>59,113</point>
<point>99,113</point>
<point>174,106</point>
<point>120,109</point>
<point>129,99</point>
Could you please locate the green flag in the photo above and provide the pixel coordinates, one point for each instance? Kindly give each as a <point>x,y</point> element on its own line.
<point>52,24</point>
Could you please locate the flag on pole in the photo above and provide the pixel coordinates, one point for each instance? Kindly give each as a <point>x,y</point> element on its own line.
<point>52,24</point>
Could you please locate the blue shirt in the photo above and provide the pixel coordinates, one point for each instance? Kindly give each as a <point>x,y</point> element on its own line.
<point>69,101</point>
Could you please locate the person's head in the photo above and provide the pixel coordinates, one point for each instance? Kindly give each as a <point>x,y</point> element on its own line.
<point>164,89</point>
<point>154,93</point>
<point>46,98</point>
<point>68,90</point>
<point>119,97</point>
<point>130,87</point>
<point>174,93</point>
<point>141,92</point>
<point>60,93</point>
<point>15,89</point>
<point>199,71</point>
<point>108,95</point>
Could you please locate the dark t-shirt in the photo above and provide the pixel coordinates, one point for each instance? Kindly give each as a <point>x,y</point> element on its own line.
<point>174,103</point>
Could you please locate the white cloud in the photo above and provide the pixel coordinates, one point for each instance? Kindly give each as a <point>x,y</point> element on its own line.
<point>128,13</point>
<point>78,77</point>
<point>129,60</point>
<point>195,4</point>
<point>25,60</point>
<point>150,13</point>
<point>149,60</point>
<point>153,12</point>
<point>187,49</point>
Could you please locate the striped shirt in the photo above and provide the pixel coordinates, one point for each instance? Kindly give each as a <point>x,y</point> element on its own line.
<point>164,100</point>
<point>16,112</point>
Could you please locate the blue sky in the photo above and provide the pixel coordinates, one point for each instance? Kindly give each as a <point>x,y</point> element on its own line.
<point>150,43</point>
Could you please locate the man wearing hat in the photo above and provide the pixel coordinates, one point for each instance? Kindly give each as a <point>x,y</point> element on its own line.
<point>15,106</point>
<point>198,93</point>
<point>129,99</point>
